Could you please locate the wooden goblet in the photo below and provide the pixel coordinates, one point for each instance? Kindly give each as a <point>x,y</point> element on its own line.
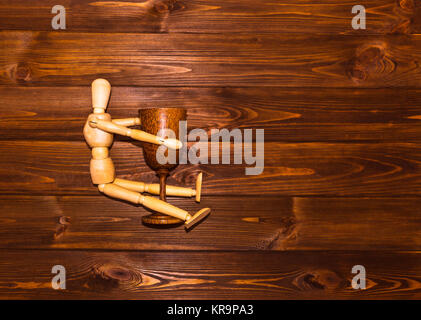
<point>152,121</point>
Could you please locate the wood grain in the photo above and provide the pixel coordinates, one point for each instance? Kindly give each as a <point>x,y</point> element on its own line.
<point>220,16</point>
<point>209,275</point>
<point>286,114</point>
<point>305,169</point>
<point>249,223</point>
<point>341,114</point>
<point>72,59</point>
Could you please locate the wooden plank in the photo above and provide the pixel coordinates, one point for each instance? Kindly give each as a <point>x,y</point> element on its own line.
<point>249,223</point>
<point>220,16</point>
<point>339,169</point>
<point>98,222</point>
<point>210,275</point>
<point>290,114</point>
<point>72,59</point>
<point>353,224</point>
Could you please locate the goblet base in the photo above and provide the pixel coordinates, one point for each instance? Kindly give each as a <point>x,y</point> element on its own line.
<point>160,219</point>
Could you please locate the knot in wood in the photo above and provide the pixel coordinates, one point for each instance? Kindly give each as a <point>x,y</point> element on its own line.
<point>21,72</point>
<point>370,62</point>
<point>118,274</point>
<point>161,7</point>
<point>321,279</point>
<point>407,5</point>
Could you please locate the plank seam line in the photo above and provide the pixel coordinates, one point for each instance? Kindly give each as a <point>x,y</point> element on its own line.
<point>231,87</point>
<point>311,196</point>
<point>387,251</point>
<point>310,88</point>
<point>242,33</point>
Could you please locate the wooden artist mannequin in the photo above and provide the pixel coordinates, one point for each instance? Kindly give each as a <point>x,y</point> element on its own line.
<point>99,132</point>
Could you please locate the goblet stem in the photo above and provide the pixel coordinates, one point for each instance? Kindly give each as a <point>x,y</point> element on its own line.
<point>163,174</point>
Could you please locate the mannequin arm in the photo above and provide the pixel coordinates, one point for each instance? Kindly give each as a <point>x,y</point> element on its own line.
<point>127,122</point>
<point>110,127</point>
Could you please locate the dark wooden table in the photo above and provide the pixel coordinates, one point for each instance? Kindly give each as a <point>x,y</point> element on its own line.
<point>341,109</point>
